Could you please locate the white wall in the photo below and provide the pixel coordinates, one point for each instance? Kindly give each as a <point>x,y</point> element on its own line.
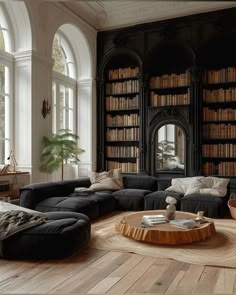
<point>34,84</point>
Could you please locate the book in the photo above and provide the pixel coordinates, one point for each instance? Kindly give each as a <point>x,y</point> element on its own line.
<point>184,223</point>
<point>151,220</point>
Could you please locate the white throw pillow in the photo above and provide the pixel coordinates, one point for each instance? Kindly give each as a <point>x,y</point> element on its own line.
<point>106,180</point>
<point>218,186</point>
<point>180,185</point>
<point>178,188</point>
<point>195,186</point>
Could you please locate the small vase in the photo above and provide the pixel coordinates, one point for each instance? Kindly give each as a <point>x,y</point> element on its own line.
<point>170,212</point>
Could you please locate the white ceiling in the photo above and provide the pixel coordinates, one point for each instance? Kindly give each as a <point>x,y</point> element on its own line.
<point>111,14</point>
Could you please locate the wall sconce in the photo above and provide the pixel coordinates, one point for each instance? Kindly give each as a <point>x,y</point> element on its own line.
<point>46,109</point>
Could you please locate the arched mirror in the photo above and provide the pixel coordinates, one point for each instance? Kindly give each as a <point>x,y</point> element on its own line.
<point>169,146</point>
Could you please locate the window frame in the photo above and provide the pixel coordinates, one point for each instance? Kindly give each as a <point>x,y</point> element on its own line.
<point>7,60</point>
<point>68,80</point>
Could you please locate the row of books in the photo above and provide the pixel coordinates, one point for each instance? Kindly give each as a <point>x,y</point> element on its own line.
<point>219,114</point>
<point>121,103</point>
<point>171,99</point>
<point>122,151</point>
<point>125,166</point>
<point>219,150</point>
<point>130,86</point>
<point>219,95</point>
<point>209,168</point>
<point>122,134</point>
<point>222,168</point>
<point>122,120</point>
<point>122,73</point>
<point>172,80</point>
<point>219,131</point>
<point>220,76</point>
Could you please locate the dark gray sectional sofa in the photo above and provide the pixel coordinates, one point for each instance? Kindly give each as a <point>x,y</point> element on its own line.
<point>140,192</point>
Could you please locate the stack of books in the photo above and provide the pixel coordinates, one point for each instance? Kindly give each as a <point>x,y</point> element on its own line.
<point>151,220</point>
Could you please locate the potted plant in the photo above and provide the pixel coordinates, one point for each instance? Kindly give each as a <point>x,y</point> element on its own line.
<point>57,149</point>
<point>165,152</point>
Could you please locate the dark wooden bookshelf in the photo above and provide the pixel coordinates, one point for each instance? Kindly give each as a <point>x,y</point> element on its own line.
<point>196,44</point>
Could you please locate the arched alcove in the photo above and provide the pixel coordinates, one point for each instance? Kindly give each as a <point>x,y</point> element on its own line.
<point>117,58</point>
<point>177,119</point>
<point>169,57</point>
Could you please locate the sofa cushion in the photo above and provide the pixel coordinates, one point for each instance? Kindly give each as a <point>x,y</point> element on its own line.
<point>140,182</point>
<point>106,180</point>
<point>83,205</point>
<point>105,201</point>
<point>130,199</point>
<point>157,200</point>
<point>213,207</point>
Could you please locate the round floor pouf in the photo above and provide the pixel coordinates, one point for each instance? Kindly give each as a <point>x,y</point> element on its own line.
<point>64,233</point>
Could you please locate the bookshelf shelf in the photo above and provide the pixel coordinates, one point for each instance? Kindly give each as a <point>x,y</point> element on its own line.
<point>123,111</point>
<point>129,142</point>
<point>121,126</point>
<point>231,122</point>
<point>123,79</point>
<point>123,93</point>
<point>220,104</point>
<point>122,158</point>
<point>179,89</point>
<point>223,85</point>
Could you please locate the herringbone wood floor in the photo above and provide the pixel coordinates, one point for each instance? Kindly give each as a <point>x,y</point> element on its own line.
<point>103,272</point>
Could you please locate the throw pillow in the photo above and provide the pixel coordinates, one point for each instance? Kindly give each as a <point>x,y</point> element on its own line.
<point>218,186</point>
<point>195,186</point>
<point>180,185</point>
<point>106,180</point>
<point>178,188</point>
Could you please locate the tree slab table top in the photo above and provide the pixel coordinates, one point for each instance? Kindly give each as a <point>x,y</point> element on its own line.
<point>165,233</point>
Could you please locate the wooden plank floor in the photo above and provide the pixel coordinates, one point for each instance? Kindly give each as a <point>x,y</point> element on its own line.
<point>114,273</point>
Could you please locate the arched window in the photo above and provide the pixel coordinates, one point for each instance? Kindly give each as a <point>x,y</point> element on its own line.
<point>64,85</point>
<point>6,103</point>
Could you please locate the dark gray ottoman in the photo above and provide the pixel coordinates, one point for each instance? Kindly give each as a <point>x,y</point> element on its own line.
<point>64,233</point>
<point>157,200</point>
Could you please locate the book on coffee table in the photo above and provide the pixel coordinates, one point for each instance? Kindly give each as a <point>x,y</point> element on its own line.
<point>151,220</point>
<point>184,223</point>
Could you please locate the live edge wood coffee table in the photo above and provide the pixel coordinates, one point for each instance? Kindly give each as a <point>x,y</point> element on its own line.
<point>165,233</point>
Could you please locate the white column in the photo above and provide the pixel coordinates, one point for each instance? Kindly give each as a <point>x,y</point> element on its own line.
<point>22,110</point>
<point>87,126</point>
